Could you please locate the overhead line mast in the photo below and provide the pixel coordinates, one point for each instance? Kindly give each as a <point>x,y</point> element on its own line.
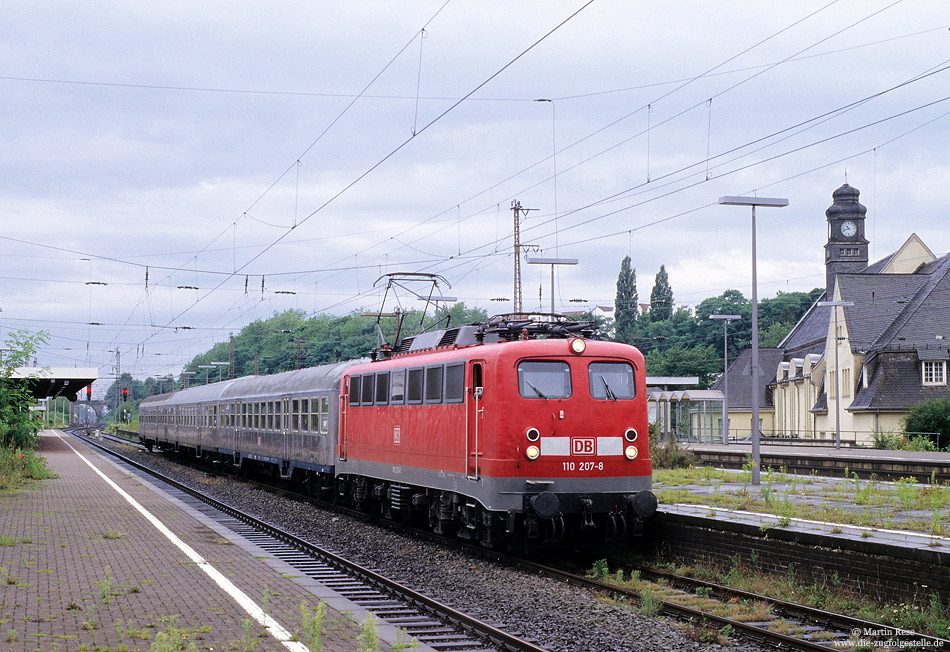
<point>518,211</point>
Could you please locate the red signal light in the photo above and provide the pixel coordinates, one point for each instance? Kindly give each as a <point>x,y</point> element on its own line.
<point>125,393</point>
<point>89,393</point>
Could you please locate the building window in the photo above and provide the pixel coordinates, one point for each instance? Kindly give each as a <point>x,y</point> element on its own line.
<point>935,372</point>
<point>845,383</point>
<point>832,385</point>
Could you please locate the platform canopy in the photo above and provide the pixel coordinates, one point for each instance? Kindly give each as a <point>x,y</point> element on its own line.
<point>50,382</point>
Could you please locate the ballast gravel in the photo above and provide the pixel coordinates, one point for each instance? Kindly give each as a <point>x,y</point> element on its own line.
<point>554,615</point>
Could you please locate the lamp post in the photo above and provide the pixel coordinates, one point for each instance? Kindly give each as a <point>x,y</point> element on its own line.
<point>835,305</point>
<point>725,319</point>
<point>552,262</point>
<point>219,365</point>
<point>775,202</point>
<point>186,374</point>
<point>206,367</point>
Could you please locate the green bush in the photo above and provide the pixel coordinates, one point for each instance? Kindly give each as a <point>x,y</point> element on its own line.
<point>18,426</point>
<point>668,454</point>
<point>899,441</point>
<point>932,418</point>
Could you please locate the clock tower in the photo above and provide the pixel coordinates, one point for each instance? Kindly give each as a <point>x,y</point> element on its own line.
<point>847,248</point>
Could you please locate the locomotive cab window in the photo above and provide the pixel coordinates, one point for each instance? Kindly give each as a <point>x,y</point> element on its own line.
<point>611,381</point>
<point>544,379</point>
<point>354,390</point>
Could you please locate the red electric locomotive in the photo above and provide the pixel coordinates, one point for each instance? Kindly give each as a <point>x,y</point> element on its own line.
<point>511,431</point>
<point>516,431</point>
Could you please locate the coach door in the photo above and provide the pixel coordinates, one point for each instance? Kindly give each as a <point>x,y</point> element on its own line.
<point>474,410</point>
<point>285,429</point>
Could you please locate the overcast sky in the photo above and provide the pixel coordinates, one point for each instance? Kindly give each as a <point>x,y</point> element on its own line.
<point>285,155</point>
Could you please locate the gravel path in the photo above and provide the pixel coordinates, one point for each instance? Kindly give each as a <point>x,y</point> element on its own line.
<point>557,616</point>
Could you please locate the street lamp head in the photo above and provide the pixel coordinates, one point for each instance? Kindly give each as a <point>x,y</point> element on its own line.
<point>776,202</point>
<point>725,317</point>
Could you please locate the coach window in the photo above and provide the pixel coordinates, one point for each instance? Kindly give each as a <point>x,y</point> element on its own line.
<point>414,386</point>
<point>544,379</point>
<point>434,384</point>
<point>611,381</point>
<point>270,416</point>
<point>367,395</point>
<point>304,415</point>
<point>324,415</point>
<point>454,383</point>
<point>397,388</point>
<point>278,410</point>
<point>314,414</point>
<point>354,390</point>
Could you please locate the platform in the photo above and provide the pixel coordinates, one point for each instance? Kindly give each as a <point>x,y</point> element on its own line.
<point>97,559</point>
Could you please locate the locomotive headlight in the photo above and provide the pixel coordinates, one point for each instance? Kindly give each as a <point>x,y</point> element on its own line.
<point>532,452</point>
<point>578,345</point>
<point>631,452</point>
<point>532,434</point>
<point>630,435</point>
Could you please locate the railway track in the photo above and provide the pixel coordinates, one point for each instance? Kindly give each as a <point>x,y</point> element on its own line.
<point>774,622</point>
<point>427,620</point>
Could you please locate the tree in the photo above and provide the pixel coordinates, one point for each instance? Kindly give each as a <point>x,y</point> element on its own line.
<point>18,426</point>
<point>661,298</point>
<point>625,306</point>
<point>679,360</point>
<point>931,418</point>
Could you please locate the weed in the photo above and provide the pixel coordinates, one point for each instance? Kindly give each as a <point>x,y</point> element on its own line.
<point>172,640</point>
<point>12,636</point>
<point>89,622</point>
<point>907,491</point>
<point>247,643</point>
<point>13,541</point>
<point>265,606</point>
<point>313,625</point>
<point>113,534</point>
<point>105,587</point>
<point>401,642</point>
<point>600,569</point>
<point>369,635</point>
<point>650,605</point>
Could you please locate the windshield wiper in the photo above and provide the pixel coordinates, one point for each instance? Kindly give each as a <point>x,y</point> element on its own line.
<point>536,390</point>
<point>610,393</point>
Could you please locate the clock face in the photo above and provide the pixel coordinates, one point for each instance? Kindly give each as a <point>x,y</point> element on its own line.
<point>848,228</point>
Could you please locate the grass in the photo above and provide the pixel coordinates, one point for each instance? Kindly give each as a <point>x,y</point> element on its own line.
<point>21,467</point>
<point>905,504</point>
<point>827,593</point>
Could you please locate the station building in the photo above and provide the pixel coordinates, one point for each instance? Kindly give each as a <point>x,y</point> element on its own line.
<point>862,366</point>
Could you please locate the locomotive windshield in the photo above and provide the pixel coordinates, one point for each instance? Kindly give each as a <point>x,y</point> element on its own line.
<point>611,381</point>
<point>544,379</point>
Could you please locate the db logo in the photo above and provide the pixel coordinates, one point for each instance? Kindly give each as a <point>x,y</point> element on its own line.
<point>582,446</point>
